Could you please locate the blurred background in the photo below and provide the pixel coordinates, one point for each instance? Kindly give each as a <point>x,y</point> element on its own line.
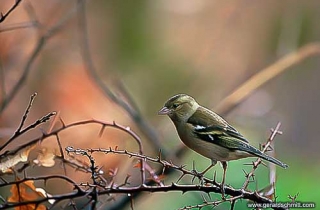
<point>156,49</point>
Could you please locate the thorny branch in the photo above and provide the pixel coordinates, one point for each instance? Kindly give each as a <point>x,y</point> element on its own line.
<point>211,184</point>
<point>100,186</point>
<point>237,194</point>
<point>21,131</point>
<point>255,164</point>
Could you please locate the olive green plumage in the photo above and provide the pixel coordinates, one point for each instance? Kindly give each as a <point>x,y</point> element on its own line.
<point>209,134</point>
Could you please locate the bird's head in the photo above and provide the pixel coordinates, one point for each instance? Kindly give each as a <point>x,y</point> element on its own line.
<point>179,107</point>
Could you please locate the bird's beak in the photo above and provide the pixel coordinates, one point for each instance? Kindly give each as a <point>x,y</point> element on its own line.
<point>164,110</point>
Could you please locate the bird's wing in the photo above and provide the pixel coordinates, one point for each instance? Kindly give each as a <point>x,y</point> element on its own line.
<point>210,127</point>
<point>206,122</point>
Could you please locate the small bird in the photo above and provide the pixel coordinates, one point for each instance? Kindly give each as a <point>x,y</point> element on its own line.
<point>208,134</point>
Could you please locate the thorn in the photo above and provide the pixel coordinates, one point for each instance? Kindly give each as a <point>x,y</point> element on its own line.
<point>112,184</point>
<point>253,177</point>
<point>269,149</point>
<point>246,173</point>
<point>192,180</point>
<point>233,202</point>
<point>193,166</point>
<point>63,124</point>
<point>293,198</point>
<point>182,166</point>
<point>249,164</point>
<point>101,130</point>
<point>277,132</point>
<point>182,175</point>
<point>264,164</point>
<point>159,155</point>
<point>203,198</point>
<point>163,170</point>
<point>43,132</point>
<point>209,195</point>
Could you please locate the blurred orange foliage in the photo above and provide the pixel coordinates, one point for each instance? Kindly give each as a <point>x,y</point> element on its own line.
<point>25,191</point>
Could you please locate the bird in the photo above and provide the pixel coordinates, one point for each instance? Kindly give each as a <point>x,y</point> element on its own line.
<point>208,134</point>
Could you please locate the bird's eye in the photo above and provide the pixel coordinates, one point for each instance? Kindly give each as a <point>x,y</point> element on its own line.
<point>175,106</point>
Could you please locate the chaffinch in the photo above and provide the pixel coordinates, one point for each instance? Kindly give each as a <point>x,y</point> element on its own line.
<point>208,134</point>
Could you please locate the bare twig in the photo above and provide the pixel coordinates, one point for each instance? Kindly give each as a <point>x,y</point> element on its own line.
<point>35,53</point>
<point>55,133</point>
<point>138,140</point>
<point>237,194</point>
<point>16,26</point>
<point>92,191</point>
<point>21,131</point>
<point>128,104</point>
<point>241,193</point>
<point>2,80</point>
<point>265,75</point>
<point>24,117</point>
<point>258,161</point>
<point>14,6</point>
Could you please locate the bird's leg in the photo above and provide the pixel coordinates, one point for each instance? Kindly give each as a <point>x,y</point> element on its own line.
<point>224,166</point>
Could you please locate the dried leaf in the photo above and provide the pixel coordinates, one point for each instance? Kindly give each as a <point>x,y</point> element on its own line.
<point>137,165</point>
<point>25,191</point>
<point>45,158</point>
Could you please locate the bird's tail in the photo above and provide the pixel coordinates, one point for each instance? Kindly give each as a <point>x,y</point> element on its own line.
<point>258,153</point>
